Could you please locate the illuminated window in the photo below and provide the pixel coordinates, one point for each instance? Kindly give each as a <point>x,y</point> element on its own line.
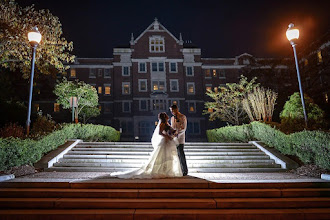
<point>107,89</point>
<point>158,86</point>
<point>326,98</point>
<point>99,90</point>
<point>156,44</point>
<point>208,87</point>
<point>319,56</point>
<point>215,89</point>
<point>100,107</point>
<point>56,107</point>
<point>192,106</point>
<point>73,73</point>
<point>210,109</point>
<point>142,85</point>
<point>126,90</point>
<point>191,88</point>
<point>305,62</point>
<point>207,73</point>
<point>159,104</point>
<point>214,73</point>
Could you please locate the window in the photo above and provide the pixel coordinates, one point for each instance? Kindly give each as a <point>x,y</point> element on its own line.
<point>208,87</point>
<point>222,74</point>
<point>207,73</point>
<point>193,128</point>
<point>174,83</point>
<point>126,90</point>
<point>107,89</point>
<point>191,88</point>
<point>326,98</point>
<point>319,56</point>
<point>142,68</point>
<point>127,127</point>
<point>100,72</point>
<point>142,85</point>
<point>92,73</point>
<point>159,104</point>
<point>191,107</point>
<point>99,90</point>
<point>56,107</point>
<point>100,107</point>
<point>107,107</point>
<point>145,128</point>
<point>107,73</point>
<point>173,68</point>
<point>93,86</point>
<point>158,86</point>
<point>143,105</point>
<point>189,71</point>
<point>305,62</point>
<point>73,73</point>
<point>156,44</point>
<point>157,67</point>
<point>126,107</point>
<point>214,73</point>
<point>125,71</point>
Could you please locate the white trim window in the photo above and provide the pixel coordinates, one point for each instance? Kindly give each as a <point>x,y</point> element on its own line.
<point>126,106</point>
<point>142,67</point>
<point>107,73</point>
<point>157,67</point>
<point>158,85</point>
<point>143,85</point>
<point>126,88</point>
<point>107,89</point>
<point>191,107</point>
<point>125,71</point>
<point>174,85</point>
<point>191,88</point>
<point>156,44</point>
<point>189,71</point>
<point>92,73</point>
<point>193,127</point>
<point>173,67</point>
<point>143,105</point>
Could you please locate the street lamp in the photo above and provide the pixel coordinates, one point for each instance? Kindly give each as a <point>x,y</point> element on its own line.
<point>34,38</point>
<point>292,34</point>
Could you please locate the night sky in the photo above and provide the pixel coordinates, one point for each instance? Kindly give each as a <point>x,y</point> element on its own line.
<point>219,28</point>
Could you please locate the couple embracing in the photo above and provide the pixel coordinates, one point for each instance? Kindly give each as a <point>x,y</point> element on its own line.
<point>168,158</point>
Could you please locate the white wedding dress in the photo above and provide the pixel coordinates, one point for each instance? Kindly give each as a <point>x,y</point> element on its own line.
<point>163,162</point>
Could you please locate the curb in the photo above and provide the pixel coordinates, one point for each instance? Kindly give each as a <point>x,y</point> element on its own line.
<point>325,176</point>
<point>6,177</point>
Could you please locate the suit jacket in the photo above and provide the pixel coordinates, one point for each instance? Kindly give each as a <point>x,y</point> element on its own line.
<point>180,124</point>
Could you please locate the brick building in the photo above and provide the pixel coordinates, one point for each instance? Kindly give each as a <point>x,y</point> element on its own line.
<point>158,69</point>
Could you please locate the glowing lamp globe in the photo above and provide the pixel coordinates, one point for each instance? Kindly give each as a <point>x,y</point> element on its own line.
<point>34,36</point>
<point>292,33</point>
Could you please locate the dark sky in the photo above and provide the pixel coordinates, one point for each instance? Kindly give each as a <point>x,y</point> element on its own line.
<point>220,28</point>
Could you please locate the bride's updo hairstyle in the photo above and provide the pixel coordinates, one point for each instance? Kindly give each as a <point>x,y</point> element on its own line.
<point>162,117</point>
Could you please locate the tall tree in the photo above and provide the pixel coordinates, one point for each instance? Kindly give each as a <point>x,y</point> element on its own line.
<point>15,51</point>
<point>85,93</point>
<point>228,101</point>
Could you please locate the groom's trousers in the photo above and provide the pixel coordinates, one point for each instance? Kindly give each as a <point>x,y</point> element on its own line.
<point>182,159</point>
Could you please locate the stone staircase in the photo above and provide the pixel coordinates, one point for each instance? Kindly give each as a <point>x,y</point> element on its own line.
<point>177,198</point>
<point>201,157</point>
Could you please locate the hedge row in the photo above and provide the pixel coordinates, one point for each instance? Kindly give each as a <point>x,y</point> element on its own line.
<point>17,152</point>
<point>312,147</point>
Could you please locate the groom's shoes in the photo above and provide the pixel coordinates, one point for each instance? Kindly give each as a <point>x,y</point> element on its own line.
<point>185,174</point>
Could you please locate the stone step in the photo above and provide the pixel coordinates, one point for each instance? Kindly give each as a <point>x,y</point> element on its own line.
<point>149,143</point>
<point>161,193</point>
<point>102,162</point>
<point>104,153</point>
<point>150,150</point>
<point>164,203</point>
<point>150,147</point>
<point>62,168</point>
<point>173,214</point>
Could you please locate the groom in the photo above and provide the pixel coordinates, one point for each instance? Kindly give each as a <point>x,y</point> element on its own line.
<point>179,123</point>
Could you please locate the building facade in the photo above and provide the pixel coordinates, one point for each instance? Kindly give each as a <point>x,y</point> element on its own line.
<point>156,70</point>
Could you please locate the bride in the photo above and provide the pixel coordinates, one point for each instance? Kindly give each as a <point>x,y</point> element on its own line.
<point>164,161</point>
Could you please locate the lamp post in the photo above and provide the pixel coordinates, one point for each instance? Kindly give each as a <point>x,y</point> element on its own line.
<point>34,38</point>
<point>292,34</point>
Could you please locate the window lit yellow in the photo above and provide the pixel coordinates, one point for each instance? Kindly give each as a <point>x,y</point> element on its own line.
<point>73,73</point>
<point>191,108</point>
<point>207,73</point>
<point>56,107</point>
<point>100,90</point>
<point>306,62</point>
<point>191,89</point>
<point>107,90</point>
<point>319,56</point>
<point>214,72</point>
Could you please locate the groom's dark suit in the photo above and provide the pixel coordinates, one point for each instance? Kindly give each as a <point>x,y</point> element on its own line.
<point>179,123</point>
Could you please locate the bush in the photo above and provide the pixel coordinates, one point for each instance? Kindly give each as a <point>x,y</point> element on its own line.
<point>43,124</point>
<point>17,152</point>
<point>12,130</point>
<point>311,147</point>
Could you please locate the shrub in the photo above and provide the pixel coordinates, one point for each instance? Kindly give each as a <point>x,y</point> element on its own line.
<point>12,130</point>
<point>43,124</point>
<point>310,146</point>
<point>17,152</point>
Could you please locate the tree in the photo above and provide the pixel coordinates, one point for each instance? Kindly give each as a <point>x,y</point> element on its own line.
<point>89,112</point>
<point>85,93</point>
<point>228,101</point>
<point>15,51</point>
